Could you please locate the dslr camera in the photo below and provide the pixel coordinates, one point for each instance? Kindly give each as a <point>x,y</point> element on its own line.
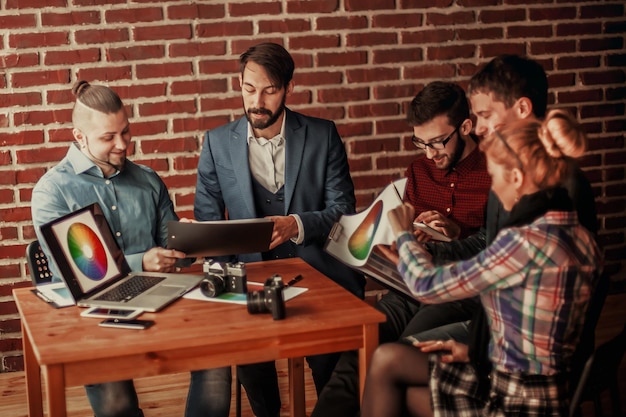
<point>220,277</point>
<point>268,300</point>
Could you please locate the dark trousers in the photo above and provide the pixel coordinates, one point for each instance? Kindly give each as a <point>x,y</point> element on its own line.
<point>261,382</point>
<point>340,396</point>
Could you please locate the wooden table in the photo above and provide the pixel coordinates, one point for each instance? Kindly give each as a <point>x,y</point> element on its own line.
<point>189,335</point>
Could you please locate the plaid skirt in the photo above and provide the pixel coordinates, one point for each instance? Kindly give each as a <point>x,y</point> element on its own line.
<point>527,395</point>
<point>454,389</point>
<point>455,392</point>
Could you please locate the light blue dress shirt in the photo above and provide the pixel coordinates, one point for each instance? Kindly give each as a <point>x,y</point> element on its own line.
<point>135,202</point>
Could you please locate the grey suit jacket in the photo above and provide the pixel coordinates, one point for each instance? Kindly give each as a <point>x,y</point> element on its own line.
<point>317,186</point>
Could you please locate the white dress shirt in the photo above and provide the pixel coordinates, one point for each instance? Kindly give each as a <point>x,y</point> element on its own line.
<point>267,164</point>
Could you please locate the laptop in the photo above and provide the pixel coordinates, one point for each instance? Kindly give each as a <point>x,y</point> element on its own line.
<point>95,270</point>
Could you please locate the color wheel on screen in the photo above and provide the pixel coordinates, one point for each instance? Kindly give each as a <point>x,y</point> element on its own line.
<point>87,251</point>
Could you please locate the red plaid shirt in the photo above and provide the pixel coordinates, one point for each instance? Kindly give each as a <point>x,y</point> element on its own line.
<point>460,194</point>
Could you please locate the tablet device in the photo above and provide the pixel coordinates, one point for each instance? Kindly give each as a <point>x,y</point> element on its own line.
<point>436,235</point>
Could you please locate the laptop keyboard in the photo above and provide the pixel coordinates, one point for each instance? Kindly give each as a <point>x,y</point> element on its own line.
<point>131,288</point>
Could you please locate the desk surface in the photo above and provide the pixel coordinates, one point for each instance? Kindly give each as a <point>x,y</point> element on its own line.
<point>191,334</point>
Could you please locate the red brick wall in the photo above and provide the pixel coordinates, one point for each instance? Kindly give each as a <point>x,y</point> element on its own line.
<point>359,62</point>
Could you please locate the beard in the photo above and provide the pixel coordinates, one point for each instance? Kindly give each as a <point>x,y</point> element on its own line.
<point>458,152</point>
<point>118,164</point>
<point>272,117</point>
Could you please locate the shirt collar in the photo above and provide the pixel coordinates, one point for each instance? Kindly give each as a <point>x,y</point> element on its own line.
<point>82,164</point>
<point>280,136</point>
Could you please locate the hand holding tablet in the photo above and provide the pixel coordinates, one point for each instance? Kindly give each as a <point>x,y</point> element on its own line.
<point>434,234</point>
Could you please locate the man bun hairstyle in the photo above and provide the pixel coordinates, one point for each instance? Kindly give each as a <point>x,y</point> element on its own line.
<point>97,97</point>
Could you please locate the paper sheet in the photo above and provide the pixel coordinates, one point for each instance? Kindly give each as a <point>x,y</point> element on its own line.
<point>55,293</point>
<point>229,297</point>
<point>354,236</point>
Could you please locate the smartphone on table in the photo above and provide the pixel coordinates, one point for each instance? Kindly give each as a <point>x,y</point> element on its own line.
<point>111,313</point>
<point>127,324</point>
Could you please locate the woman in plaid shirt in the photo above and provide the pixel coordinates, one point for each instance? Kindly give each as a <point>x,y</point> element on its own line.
<point>534,280</point>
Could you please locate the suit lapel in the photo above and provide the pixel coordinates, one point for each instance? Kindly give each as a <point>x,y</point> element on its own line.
<point>295,138</point>
<point>239,156</point>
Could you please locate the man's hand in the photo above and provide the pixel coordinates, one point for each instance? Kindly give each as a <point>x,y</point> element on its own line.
<point>161,260</point>
<point>440,223</point>
<point>454,351</point>
<point>401,218</point>
<point>285,227</point>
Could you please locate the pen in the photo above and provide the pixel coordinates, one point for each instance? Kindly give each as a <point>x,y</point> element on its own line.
<point>296,279</point>
<point>397,192</point>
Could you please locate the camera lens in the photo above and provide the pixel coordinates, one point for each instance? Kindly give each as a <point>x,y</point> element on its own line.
<point>212,285</point>
<point>255,301</point>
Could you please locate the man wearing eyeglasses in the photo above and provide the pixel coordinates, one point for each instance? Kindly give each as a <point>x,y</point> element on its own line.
<point>448,185</point>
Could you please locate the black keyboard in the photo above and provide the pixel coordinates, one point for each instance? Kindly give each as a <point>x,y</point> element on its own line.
<point>131,288</point>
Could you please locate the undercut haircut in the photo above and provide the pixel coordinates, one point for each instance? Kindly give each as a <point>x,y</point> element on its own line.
<point>97,97</point>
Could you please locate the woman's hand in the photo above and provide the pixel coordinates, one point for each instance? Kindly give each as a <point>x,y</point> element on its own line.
<point>390,252</point>
<point>452,351</point>
<point>401,218</point>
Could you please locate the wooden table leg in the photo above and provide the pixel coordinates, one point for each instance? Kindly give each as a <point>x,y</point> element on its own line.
<point>297,406</point>
<point>55,391</point>
<point>370,343</point>
<point>32,373</point>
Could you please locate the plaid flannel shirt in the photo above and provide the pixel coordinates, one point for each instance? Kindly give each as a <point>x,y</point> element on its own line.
<point>534,282</point>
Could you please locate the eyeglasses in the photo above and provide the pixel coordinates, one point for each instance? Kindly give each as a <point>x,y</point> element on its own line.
<point>511,151</point>
<point>438,145</point>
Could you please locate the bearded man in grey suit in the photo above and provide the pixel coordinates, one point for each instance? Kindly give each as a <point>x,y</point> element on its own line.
<point>285,166</point>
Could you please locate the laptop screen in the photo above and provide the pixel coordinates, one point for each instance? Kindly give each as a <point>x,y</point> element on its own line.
<point>84,249</point>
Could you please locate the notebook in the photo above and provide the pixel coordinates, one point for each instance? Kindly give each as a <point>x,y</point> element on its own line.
<point>95,270</point>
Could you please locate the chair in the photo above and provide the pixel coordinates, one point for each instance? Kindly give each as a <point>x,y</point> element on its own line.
<point>37,264</point>
<point>237,394</point>
<point>600,374</point>
<point>587,343</point>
